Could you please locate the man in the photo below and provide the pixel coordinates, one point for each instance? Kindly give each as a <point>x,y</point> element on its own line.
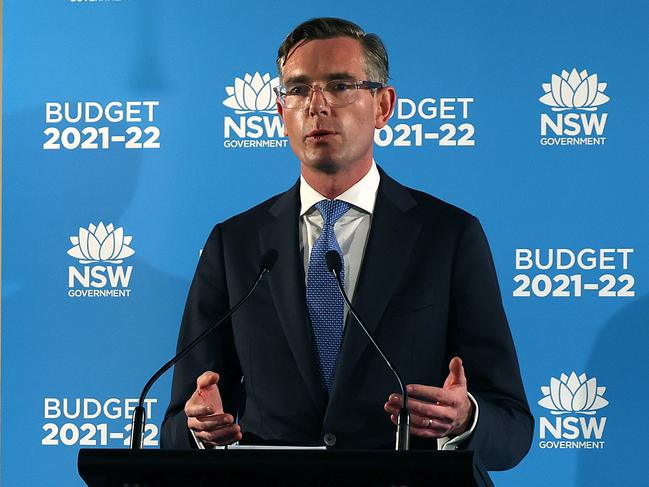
<point>289,368</point>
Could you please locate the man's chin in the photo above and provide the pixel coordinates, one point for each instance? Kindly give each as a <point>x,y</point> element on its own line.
<point>324,165</point>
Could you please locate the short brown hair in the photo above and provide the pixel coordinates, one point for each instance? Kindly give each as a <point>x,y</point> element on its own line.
<point>375,57</point>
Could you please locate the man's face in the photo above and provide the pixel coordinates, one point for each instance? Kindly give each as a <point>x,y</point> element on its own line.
<point>324,138</point>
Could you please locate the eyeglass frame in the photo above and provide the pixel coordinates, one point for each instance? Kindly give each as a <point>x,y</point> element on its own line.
<point>358,85</point>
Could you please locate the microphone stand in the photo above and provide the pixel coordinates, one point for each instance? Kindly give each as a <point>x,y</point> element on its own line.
<point>334,263</point>
<point>139,421</point>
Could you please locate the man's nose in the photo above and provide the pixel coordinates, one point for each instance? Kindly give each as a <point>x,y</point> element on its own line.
<point>318,103</point>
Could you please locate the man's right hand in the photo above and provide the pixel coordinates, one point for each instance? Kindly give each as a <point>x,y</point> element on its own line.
<point>205,416</point>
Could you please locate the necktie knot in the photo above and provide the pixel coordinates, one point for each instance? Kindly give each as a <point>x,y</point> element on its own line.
<point>332,210</point>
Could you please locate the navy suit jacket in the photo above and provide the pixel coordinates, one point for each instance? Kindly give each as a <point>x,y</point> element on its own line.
<point>427,289</point>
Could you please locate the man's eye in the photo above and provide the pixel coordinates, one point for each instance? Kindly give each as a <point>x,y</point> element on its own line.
<point>340,86</point>
<point>300,90</point>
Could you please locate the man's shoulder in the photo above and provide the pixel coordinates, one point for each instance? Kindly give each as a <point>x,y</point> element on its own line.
<point>262,212</point>
<point>242,227</point>
<point>428,207</point>
<point>432,204</point>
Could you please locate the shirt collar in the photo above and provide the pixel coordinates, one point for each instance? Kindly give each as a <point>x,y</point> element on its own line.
<point>361,195</point>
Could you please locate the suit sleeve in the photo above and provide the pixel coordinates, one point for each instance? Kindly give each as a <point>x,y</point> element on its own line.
<point>480,335</point>
<point>206,303</point>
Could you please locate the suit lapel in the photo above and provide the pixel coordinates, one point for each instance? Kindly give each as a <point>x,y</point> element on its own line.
<point>392,237</point>
<point>286,282</point>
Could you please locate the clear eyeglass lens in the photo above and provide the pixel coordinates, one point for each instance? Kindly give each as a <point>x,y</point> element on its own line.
<point>336,93</point>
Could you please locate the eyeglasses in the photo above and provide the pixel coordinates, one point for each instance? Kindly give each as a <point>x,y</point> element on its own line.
<point>337,93</point>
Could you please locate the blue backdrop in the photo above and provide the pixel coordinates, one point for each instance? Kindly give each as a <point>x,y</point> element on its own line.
<point>129,125</point>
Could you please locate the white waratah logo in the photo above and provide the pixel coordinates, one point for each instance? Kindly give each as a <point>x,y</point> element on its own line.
<point>573,395</point>
<point>252,94</point>
<point>574,90</point>
<point>101,243</point>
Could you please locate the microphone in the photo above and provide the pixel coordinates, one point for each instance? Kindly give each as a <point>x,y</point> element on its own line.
<point>266,263</point>
<point>334,264</point>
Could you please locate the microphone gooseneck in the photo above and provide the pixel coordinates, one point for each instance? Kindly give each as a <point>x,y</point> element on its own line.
<point>334,264</point>
<point>266,263</point>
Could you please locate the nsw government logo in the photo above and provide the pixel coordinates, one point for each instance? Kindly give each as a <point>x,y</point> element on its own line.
<point>574,99</point>
<point>574,403</point>
<point>257,123</point>
<point>100,250</point>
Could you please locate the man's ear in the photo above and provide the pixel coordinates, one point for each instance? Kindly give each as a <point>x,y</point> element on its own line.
<point>386,99</point>
<point>280,110</point>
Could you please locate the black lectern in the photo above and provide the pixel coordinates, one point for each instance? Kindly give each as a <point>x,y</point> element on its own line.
<point>281,468</point>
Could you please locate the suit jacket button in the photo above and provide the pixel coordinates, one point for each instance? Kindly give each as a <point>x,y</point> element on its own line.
<point>330,439</point>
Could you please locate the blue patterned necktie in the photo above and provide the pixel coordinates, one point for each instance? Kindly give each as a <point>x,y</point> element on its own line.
<point>322,296</point>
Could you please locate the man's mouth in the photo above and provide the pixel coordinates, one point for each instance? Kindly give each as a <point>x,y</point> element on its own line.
<point>319,134</point>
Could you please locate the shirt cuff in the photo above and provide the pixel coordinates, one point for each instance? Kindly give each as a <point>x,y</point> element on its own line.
<point>446,443</point>
<point>203,446</point>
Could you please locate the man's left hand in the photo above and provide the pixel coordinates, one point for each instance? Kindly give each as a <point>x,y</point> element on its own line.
<point>437,412</point>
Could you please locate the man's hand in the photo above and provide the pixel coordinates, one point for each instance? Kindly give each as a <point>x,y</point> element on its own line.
<point>205,416</point>
<point>435,412</point>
